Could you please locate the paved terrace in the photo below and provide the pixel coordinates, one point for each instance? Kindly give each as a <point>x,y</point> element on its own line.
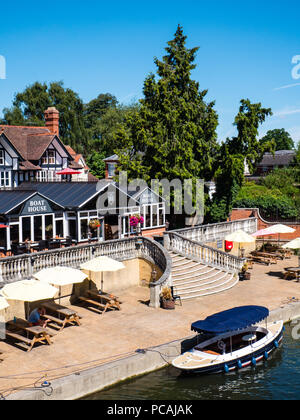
<point>103,338</point>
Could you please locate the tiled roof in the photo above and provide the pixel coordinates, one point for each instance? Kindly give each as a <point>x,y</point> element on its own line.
<point>29,142</point>
<point>281,158</point>
<point>25,165</point>
<point>13,198</point>
<point>67,194</point>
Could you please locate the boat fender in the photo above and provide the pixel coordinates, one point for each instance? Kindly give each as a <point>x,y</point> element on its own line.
<point>239,363</point>
<point>226,368</point>
<point>276,344</point>
<point>266,355</point>
<point>253,361</point>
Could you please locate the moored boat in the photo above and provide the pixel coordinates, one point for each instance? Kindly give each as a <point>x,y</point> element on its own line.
<point>235,341</point>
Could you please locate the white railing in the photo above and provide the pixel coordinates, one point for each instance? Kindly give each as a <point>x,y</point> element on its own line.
<point>218,231</point>
<point>202,253</point>
<point>24,266</point>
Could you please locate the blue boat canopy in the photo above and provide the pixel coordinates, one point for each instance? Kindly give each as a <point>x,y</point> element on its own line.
<point>231,320</point>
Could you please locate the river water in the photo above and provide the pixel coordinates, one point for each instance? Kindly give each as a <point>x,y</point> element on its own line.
<point>278,378</point>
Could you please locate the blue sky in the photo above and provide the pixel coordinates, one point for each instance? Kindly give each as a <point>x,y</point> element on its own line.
<point>246,50</point>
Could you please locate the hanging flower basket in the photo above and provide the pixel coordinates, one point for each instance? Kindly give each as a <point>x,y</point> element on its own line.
<point>136,220</point>
<point>94,223</point>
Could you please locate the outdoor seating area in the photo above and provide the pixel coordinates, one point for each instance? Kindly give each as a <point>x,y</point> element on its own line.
<point>28,247</point>
<point>47,317</point>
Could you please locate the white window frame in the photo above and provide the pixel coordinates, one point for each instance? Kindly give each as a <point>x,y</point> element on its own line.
<point>90,215</point>
<point>5,179</point>
<point>51,157</point>
<point>2,157</point>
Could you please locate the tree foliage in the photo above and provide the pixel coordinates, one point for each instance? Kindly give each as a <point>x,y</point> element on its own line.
<point>281,137</point>
<point>242,149</point>
<point>29,106</point>
<point>173,133</point>
<point>87,128</point>
<point>274,201</point>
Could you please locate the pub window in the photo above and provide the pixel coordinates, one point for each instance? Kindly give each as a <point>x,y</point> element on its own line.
<point>51,157</point>
<point>26,228</point>
<point>14,233</point>
<point>38,234</point>
<point>84,229</point>
<point>2,160</point>
<point>45,159</point>
<point>3,238</point>
<point>49,227</point>
<point>59,226</point>
<point>4,179</point>
<point>161,217</point>
<point>72,228</point>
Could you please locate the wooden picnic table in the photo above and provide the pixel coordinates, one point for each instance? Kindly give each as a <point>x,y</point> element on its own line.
<point>263,258</point>
<point>271,255</point>
<point>40,334</point>
<point>64,315</point>
<point>103,301</point>
<point>286,252</point>
<point>292,271</point>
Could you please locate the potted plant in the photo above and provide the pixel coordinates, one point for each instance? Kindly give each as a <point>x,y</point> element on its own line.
<point>167,301</point>
<point>244,274</point>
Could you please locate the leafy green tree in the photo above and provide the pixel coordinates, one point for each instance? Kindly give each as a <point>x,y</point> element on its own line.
<point>173,133</point>
<point>29,106</point>
<point>96,108</point>
<point>282,138</point>
<point>104,128</point>
<point>234,154</point>
<point>272,201</point>
<point>96,164</point>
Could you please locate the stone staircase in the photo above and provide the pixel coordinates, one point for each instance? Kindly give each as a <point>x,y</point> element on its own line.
<point>193,279</point>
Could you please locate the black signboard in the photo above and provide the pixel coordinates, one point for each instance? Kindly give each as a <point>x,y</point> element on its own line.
<point>36,205</point>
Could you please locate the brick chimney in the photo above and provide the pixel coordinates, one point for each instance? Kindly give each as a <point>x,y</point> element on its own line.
<point>52,120</point>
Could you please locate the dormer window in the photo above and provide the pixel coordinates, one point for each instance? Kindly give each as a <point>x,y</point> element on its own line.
<point>48,158</point>
<point>51,157</point>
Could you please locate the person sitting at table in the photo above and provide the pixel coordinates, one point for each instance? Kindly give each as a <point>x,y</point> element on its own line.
<point>27,243</point>
<point>35,317</point>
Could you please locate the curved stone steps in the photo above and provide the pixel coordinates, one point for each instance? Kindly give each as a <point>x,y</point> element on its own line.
<point>232,281</point>
<point>206,280</point>
<point>209,271</point>
<point>192,279</point>
<point>188,265</point>
<point>198,267</point>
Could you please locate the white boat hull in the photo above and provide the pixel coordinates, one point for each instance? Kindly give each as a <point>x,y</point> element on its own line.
<point>199,360</point>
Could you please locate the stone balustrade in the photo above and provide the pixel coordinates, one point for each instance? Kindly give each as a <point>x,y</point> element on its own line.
<point>200,252</point>
<point>218,231</point>
<point>24,266</point>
